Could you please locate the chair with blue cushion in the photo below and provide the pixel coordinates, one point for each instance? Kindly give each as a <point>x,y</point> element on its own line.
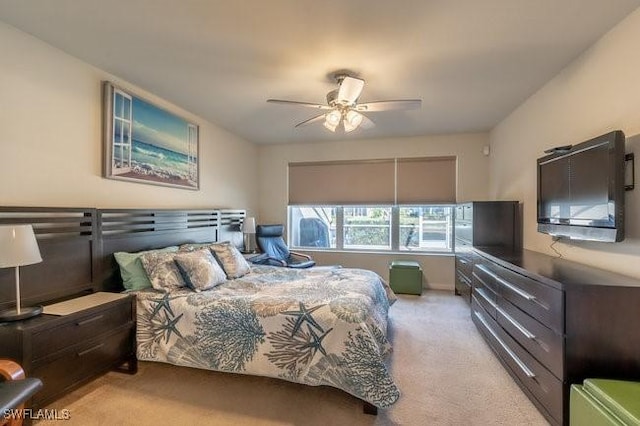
<point>275,251</point>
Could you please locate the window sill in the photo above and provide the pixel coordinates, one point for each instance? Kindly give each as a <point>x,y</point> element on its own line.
<point>377,252</point>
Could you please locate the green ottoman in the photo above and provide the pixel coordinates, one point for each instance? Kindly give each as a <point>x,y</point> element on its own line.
<point>600,402</point>
<point>405,276</point>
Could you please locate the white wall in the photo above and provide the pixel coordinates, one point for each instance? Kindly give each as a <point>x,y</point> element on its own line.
<point>597,93</point>
<point>51,139</point>
<point>472,184</point>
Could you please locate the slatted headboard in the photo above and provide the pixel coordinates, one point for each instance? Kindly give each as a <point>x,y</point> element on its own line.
<point>67,238</point>
<point>77,245</point>
<point>136,230</point>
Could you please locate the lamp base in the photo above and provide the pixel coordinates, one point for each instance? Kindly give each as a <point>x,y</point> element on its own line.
<point>12,314</point>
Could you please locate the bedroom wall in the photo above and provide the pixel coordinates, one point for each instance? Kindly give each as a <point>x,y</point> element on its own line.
<point>472,184</point>
<point>598,92</point>
<point>51,139</point>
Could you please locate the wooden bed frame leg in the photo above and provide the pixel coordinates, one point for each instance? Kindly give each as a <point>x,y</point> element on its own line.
<point>369,408</point>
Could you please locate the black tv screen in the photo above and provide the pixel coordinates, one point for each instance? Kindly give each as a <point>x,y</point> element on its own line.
<point>581,190</point>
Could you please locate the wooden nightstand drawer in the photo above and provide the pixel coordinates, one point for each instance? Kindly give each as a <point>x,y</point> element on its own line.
<point>81,328</point>
<point>81,363</point>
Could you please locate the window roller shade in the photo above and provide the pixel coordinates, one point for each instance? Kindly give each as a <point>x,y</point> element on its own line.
<point>417,181</point>
<point>342,182</point>
<point>426,180</point>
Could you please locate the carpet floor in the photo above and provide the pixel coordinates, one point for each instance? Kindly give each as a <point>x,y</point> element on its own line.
<point>445,371</point>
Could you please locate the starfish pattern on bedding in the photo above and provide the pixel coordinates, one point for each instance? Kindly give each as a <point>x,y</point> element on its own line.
<point>316,341</point>
<point>170,326</point>
<point>162,303</point>
<point>303,315</point>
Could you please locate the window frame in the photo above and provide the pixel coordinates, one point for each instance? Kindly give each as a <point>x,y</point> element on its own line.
<point>394,224</point>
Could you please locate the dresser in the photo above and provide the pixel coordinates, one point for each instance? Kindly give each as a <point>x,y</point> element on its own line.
<point>481,224</point>
<point>553,323</point>
<point>68,351</point>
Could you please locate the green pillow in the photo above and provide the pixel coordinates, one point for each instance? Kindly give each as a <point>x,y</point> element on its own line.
<point>134,277</point>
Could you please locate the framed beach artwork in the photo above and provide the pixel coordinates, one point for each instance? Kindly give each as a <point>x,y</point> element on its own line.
<point>147,144</point>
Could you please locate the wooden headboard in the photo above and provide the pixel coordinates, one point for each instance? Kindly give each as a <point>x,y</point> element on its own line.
<point>77,245</point>
<point>135,230</point>
<point>67,238</point>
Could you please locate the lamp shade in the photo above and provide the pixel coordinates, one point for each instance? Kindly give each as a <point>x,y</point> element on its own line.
<point>249,225</point>
<point>18,246</point>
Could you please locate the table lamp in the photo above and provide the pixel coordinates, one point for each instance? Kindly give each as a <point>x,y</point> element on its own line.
<point>18,247</point>
<point>248,228</point>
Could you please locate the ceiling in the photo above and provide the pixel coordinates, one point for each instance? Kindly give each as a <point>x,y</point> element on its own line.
<point>471,62</point>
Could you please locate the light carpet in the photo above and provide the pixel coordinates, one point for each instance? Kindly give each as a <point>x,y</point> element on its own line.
<point>445,371</point>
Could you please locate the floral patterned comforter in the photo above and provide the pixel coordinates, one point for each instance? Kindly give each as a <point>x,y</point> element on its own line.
<point>313,326</point>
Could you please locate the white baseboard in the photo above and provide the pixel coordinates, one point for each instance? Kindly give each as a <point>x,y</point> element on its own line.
<point>439,286</point>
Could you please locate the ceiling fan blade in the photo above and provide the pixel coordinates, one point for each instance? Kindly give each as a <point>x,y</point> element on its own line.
<point>350,90</point>
<point>297,103</point>
<point>390,105</point>
<point>367,123</point>
<point>312,120</point>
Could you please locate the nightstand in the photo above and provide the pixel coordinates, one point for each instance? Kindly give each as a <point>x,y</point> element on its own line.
<point>70,350</point>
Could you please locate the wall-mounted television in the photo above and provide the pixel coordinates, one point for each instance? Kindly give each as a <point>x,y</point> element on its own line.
<point>581,190</point>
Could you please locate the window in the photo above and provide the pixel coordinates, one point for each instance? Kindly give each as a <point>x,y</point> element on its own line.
<point>367,228</point>
<point>386,204</point>
<point>312,226</point>
<point>420,228</point>
<point>121,143</point>
<point>425,228</point>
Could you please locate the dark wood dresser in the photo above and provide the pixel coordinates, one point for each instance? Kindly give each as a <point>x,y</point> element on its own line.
<point>553,323</point>
<point>482,223</point>
<point>68,351</point>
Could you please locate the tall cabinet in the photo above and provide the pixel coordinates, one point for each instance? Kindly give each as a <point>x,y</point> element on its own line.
<point>482,224</point>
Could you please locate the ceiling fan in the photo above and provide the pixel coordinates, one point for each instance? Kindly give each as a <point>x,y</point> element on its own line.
<point>342,106</point>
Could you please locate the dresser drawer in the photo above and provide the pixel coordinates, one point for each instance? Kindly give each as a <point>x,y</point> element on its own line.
<point>81,362</point>
<point>532,375</point>
<point>538,300</point>
<point>82,328</point>
<point>482,277</point>
<point>486,299</point>
<point>541,342</point>
<point>464,265</point>
<point>463,286</point>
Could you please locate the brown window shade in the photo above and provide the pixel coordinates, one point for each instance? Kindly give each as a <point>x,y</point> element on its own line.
<point>426,180</point>
<point>342,182</point>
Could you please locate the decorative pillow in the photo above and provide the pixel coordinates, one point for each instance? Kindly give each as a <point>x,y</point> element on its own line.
<point>199,269</point>
<point>132,272</point>
<point>232,261</point>
<point>194,246</point>
<point>162,271</point>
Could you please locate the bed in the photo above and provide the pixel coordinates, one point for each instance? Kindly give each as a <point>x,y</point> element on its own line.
<point>315,326</point>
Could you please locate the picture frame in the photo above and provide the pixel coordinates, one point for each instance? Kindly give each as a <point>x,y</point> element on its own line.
<point>145,143</point>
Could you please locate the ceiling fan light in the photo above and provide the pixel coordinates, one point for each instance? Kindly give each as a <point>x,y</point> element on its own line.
<point>354,118</point>
<point>348,127</point>
<point>330,126</point>
<point>333,117</point>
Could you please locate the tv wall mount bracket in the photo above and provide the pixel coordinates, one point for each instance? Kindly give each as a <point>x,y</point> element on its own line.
<point>629,171</point>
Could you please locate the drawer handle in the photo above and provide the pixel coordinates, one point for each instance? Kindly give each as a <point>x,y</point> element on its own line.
<point>481,292</point>
<point>507,284</point>
<point>94,348</point>
<point>513,356</point>
<point>90,320</point>
<point>477,277</point>
<point>529,335</point>
<point>464,262</point>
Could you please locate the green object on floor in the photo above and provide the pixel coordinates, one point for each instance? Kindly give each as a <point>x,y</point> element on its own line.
<point>405,276</point>
<point>600,402</point>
